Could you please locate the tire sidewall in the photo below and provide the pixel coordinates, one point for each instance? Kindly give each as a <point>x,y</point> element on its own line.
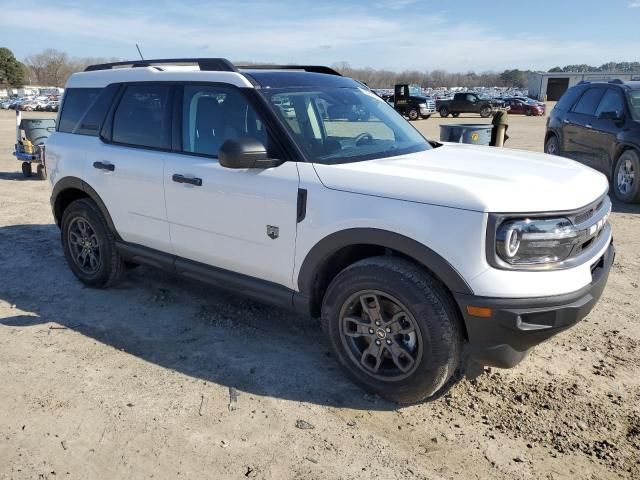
<point>413,114</point>
<point>444,112</point>
<point>634,195</point>
<point>434,368</point>
<point>83,209</point>
<point>485,112</point>
<point>552,139</point>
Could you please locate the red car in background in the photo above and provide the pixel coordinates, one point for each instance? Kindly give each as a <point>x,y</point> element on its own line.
<point>520,106</point>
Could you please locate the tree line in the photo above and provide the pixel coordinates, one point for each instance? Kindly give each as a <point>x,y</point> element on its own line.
<point>52,68</point>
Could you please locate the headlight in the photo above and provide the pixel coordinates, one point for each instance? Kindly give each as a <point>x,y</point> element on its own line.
<point>543,242</point>
<point>422,105</point>
<point>530,241</point>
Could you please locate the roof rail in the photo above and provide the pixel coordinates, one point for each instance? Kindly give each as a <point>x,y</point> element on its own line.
<point>306,68</point>
<point>205,64</point>
<point>617,80</point>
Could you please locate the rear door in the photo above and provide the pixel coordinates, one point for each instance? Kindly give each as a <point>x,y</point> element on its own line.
<point>126,169</point>
<point>577,127</point>
<point>605,131</point>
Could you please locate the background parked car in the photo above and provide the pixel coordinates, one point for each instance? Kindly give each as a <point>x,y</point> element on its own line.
<point>519,106</point>
<point>598,124</point>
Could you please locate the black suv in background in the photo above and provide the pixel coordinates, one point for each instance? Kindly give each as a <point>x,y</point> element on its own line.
<point>598,124</point>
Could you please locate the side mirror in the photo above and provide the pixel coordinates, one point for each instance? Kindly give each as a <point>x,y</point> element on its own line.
<point>615,116</point>
<point>245,152</point>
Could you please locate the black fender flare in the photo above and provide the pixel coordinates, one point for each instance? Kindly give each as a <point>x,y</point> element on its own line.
<point>76,183</point>
<point>325,248</point>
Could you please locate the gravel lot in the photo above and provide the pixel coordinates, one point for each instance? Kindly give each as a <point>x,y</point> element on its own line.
<point>163,377</point>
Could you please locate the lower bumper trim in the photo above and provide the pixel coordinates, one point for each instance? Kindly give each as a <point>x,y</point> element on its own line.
<point>517,325</point>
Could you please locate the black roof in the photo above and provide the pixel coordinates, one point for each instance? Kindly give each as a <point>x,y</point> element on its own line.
<point>295,78</point>
<point>615,81</point>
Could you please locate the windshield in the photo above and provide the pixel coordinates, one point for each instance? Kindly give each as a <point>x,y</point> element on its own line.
<point>341,125</point>
<point>634,104</point>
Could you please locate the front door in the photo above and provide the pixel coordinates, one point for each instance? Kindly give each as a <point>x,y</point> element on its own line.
<point>577,141</point>
<point>240,220</point>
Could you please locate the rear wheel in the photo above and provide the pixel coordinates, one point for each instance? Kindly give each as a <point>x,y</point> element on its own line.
<point>552,146</point>
<point>393,327</point>
<point>444,112</point>
<point>455,115</point>
<point>89,245</point>
<point>42,172</point>
<point>26,169</point>
<point>528,112</point>
<point>626,177</point>
<point>485,112</point>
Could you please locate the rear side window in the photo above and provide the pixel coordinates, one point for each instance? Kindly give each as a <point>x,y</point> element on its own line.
<point>91,121</point>
<point>76,103</point>
<point>589,102</point>
<point>569,98</point>
<point>142,117</point>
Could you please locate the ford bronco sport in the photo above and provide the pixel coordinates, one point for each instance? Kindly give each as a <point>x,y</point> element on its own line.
<point>408,250</point>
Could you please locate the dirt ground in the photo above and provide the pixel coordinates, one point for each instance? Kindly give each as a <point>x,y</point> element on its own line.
<point>163,377</point>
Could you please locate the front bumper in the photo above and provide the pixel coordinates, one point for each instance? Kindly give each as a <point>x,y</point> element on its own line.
<point>518,324</point>
<point>427,110</point>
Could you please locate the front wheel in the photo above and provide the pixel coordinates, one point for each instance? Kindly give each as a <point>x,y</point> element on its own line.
<point>455,115</point>
<point>426,117</point>
<point>393,327</point>
<point>485,112</point>
<point>626,177</point>
<point>444,112</point>
<point>413,114</point>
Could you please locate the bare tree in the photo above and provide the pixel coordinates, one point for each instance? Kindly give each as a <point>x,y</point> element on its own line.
<point>53,68</point>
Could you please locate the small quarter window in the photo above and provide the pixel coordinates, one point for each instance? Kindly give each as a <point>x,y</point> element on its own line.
<point>75,104</point>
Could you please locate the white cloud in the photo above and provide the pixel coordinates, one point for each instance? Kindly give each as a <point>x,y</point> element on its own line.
<point>634,4</point>
<point>267,32</point>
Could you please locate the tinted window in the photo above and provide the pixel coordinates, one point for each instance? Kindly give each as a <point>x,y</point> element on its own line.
<point>213,115</point>
<point>634,104</point>
<point>589,101</point>
<point>611,102</point>
<point>91,121</point>
<point>76,103</point>
<point>569,98</point>
<point>142,116</point>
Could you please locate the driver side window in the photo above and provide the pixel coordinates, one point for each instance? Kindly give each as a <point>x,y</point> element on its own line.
<point>611,102</point>
<point>212,115</point>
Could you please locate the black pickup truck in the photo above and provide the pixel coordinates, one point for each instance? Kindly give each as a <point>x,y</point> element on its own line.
<point>469,102</point>
<point>409,101</point>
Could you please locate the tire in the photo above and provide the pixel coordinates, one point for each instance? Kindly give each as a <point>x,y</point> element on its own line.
<point>485,112</point>
<point>101,265</point>
<point>626,177</point>
<point>413,114</point>
<point>427,339</point>
<point>455,115</point>
<point>426,117</point>
<point>552,146</point>
<point>444,112</point>
<point>42,172</point>
<point>26,169</point>
<point>528,112</point>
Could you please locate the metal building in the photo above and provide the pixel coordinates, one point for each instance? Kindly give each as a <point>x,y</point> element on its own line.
<point>553,85</point>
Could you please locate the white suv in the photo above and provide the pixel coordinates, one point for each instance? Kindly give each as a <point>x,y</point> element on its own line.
<point>262,180</point>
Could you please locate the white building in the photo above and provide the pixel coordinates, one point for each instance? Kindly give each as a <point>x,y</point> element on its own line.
<point>551,86</point>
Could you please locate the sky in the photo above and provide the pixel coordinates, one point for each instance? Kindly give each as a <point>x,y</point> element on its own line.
<point>454,35</point>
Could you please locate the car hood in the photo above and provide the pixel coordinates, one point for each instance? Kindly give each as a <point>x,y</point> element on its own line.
<point>485,179</point>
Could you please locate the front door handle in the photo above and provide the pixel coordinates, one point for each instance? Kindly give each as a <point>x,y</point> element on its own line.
<point>588,125</point>
<point>109,167</point>
<point>190,180</point>
<point>566,122</point>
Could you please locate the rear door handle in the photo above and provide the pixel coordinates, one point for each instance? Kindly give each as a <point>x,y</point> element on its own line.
<point>178,178</point>
<point>566,122</point>
<point>588,125</point>
<point>110,167</point>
